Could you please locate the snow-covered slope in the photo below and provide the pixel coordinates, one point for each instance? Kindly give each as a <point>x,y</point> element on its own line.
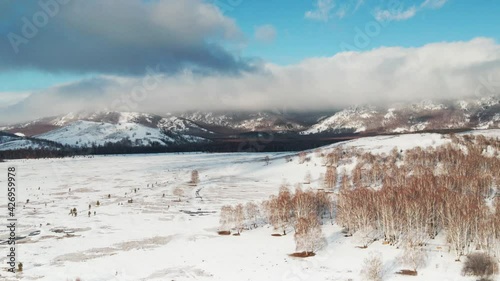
<point>482,113</point>
<point>353,119</point>
<point>15,142</point>
<point>247,121</point>
<point>384,144</point>
<point>157,238</point>
<point>179,125</point>
<point>87,133</point>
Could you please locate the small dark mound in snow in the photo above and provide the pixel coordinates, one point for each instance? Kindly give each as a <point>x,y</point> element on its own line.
<point>407,272</point>
<point>302,255</point>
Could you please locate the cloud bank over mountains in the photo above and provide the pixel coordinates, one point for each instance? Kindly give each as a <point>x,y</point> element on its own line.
<point>171,56</point>
<point>447,70</point>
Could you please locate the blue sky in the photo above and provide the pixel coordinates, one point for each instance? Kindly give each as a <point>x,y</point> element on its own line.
<point>88,54</point>
<point>299,38</point>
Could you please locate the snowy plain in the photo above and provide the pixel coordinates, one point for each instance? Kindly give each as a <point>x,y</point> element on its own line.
<point>157,238</point>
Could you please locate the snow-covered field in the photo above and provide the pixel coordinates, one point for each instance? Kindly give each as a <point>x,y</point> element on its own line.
<point>157,238</point>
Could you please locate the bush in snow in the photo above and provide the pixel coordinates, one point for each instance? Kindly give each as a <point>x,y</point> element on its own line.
<point>414,257</point>
<point>480,265</point>
<point>195,177</point>
<point>372,268</point>
<point>179,192</point>
<point>226,221</point>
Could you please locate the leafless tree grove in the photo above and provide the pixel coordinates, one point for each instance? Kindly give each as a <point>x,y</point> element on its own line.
<point>403,197</point>
<point>408,198</point>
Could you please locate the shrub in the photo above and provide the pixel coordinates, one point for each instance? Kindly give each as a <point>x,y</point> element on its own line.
<point>480,265</point>
<point>414,257</point>
<point>195,177</point>
<point>372,268</point>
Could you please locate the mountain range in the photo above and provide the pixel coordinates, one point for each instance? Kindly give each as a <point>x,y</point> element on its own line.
<point>135,129</point>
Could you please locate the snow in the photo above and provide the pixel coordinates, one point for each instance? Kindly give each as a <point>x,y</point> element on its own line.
<point>131,117</point>
<point>419,126</point>
<point>491,123</point>
<point>19,144</point>
<point>400,130</point>
<point>153,239</point>
<point>243,121</point>
<point>85,133</point>
<point>390,113</point>
<point>464,105</point>
<point>427,105</point>
<point>178,125</point>
<point>354,118</point>
<point>384,144</point>
<point>491,133</point>
<point>16,143</point>
<point>69,118</point>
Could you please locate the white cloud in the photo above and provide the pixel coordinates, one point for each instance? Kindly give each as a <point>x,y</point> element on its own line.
<point>265,33</point>
<point>395,15</point>
<point>326,9</point>
<point>322,12</point>
<point>11,98</point>
<point>445,70</point>
<point>434,4</point>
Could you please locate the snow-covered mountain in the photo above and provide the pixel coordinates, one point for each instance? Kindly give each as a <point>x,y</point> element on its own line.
<point>83,129</point>
<point>88,133</point>
<point>15,142</point>
<point>248,121</point>
<point>352,119</point>
<point>86,129</point>
<point>481,113</point>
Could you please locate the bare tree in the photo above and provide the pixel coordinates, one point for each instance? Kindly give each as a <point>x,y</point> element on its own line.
<point>307,178</point>
<point>239,218</point>
<point>195,177</point>
<point>179,192</point>
<point>304,204</point>
<point>308,235</point>
<point>226,220</point>
<point>373,268</point>
<point>330,177</point>
<point>413,256</point>
<point>252,214</point>
<point>284,205</point>
<point>267,160</point>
